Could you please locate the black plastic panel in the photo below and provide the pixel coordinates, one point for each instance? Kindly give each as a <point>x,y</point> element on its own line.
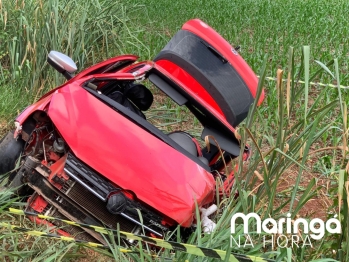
<point>229,144</point>
<point>167,89</point>
<point>91,179</point>
<point>212,71</point>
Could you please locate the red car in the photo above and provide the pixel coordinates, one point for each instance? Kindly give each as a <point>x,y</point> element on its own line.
<point>89,154</point>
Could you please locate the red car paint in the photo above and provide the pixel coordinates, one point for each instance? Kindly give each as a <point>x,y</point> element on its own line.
<point>57,170</point>
<point>106,63</point>
<point>128,155</point>
<point>37,203</point>
<point>191,86</point>
<point>38,106</point>
<point>54,229</point>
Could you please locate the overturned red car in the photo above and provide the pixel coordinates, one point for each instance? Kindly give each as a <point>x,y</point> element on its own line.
<point>87,152</point>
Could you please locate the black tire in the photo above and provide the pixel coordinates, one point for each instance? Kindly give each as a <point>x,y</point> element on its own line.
<point>18,186</point>
<point>10,150</point>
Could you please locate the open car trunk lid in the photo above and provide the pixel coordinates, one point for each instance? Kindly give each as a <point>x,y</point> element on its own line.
<point>227,85</point>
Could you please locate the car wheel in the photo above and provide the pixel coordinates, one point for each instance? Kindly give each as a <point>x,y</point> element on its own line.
<point>10,150</point>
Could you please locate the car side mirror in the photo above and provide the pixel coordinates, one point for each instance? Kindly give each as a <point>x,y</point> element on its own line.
<point>62,63</point>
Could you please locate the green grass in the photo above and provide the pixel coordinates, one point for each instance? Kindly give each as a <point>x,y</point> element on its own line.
<point>294,144</point>
<point>88,31</point>
<point>258,26</point>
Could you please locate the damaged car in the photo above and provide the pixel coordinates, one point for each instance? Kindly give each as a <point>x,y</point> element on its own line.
<point>86,152</point>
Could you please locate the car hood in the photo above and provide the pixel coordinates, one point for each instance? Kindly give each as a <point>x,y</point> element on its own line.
<point>130,156</point>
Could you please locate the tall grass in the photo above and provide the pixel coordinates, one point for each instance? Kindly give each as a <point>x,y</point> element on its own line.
<point>259,27</point>
<point>296,143</point>
<point>88,31</point>
<point>297,139</point>
<point>15,246</point>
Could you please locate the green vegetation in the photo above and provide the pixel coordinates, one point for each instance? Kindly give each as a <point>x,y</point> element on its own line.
<point>298,136</point>
<point>88,31</point>
<point>259,27</point>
